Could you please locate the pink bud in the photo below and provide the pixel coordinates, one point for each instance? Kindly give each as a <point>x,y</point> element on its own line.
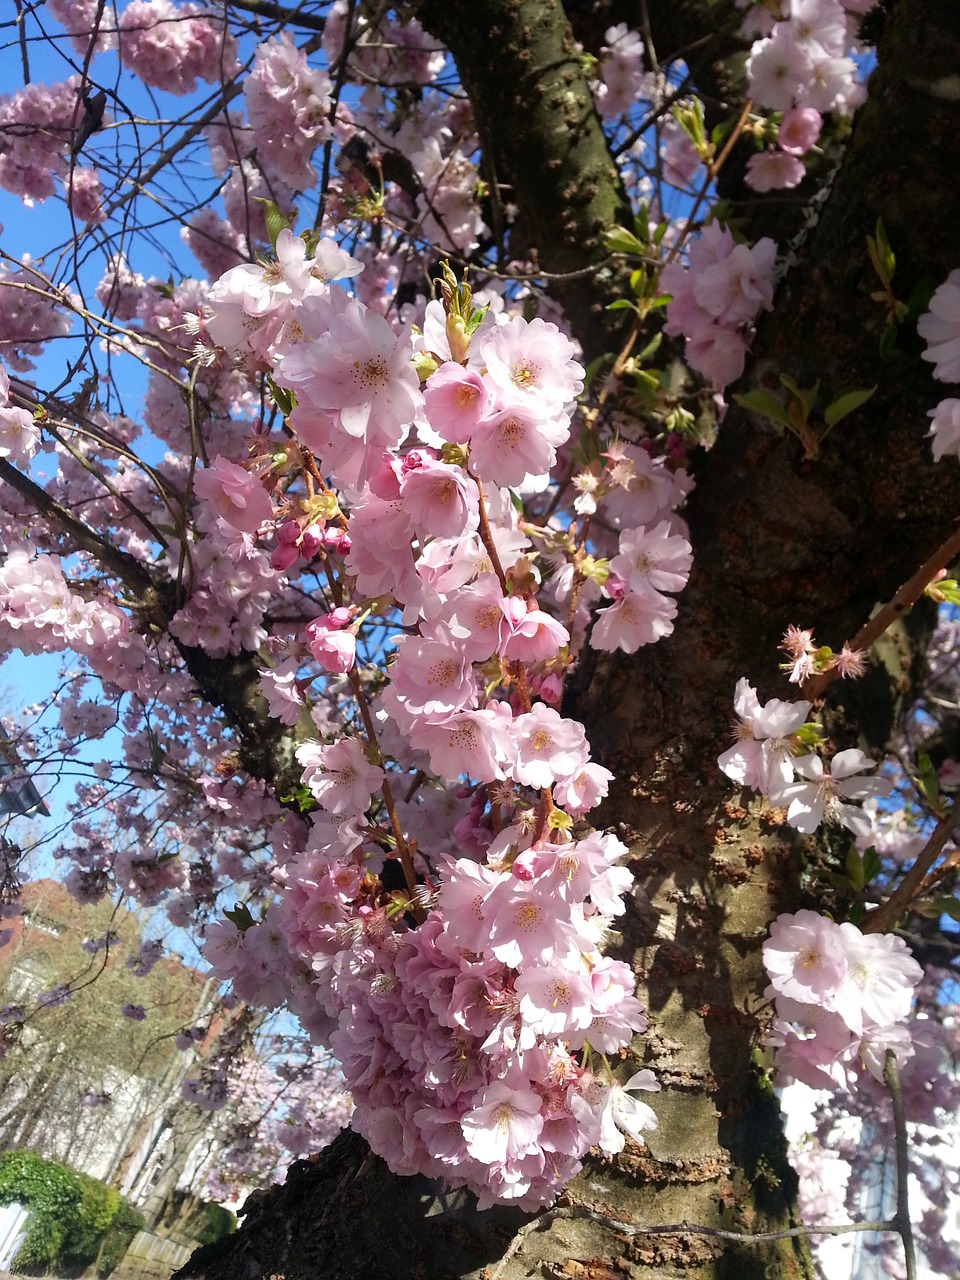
<point>384,482</point>
<point>551,689</point>
<point>283,555</point>
<point>336,540</point>
<point>311,540</point>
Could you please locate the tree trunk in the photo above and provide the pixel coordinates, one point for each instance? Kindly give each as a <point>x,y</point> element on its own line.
<point>777,539</point>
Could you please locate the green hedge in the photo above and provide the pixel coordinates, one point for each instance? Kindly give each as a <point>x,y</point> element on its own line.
<point>75,1220</point>
<point>213,1223</point>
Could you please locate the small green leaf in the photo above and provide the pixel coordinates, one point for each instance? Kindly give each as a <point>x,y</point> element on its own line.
<point>276,222</point>
<point>871,865</point>
<point>641,223</point>
<point>282,397</point>
<point>650,381</point>
<point>888,343</point>
<point>620,240</point>
<point>846,403</point>
<point>475,319</point>
<point>807,399</point>
<point>854,869</point>
<point>881,255</point>
<point>809,735</point>
<point>651,349</point>
<point>765,403</point>
<point>241,917</point>
<point>928,782</point>
<point>883,247</point>
<point>621,304</point>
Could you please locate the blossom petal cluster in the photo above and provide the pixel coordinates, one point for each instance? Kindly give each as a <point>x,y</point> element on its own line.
<point>473,1013</point>
<point>715,299</point>
<point>841,999</point>
<point>767,758</point>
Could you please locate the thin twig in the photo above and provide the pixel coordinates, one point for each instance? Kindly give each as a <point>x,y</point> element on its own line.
<point>905,598</point>
<point>880,919</point>
<point>902,1220</point>
<point>279,13</point>
<point>682,1228</point>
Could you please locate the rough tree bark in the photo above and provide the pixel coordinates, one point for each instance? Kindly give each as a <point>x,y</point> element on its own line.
<point>777,539</point>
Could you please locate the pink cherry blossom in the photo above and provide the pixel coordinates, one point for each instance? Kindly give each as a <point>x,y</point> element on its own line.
<point>505,1124</point>
<point>237,496</point>
<point>339,776</point>
<point>774,171</point>
<point>532,365</point>
<point>820,798</point>
<point>761,756</point>
<point>548,747</point>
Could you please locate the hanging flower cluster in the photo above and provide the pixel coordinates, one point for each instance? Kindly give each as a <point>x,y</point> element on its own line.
<point>458,979</point>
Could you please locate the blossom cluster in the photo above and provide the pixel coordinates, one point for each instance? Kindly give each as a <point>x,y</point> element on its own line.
<point>19,434</point>
<point>289,100</point>
<point>801,60</point>
<point>172,46</point>
<point>39,612</point>
<point>716,298</point>
<point>474,1044</point>
<point>768,757</point>
<point>36,126</point>
<point>841,998</point>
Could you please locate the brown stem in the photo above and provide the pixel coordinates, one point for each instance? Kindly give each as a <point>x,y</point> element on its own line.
<point>882,917</point>
<point>892,1077</point>
<point>486,537</point>
<point>905,599</point>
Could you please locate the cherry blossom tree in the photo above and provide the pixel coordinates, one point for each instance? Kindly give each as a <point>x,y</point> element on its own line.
<point>433,426</point>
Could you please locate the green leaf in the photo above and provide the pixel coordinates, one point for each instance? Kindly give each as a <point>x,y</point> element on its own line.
<point>765,403</point>
<point>854,869</point>
<point>871,865</point>
<point>881,255</point>
<point>648,380</point>
<point>651,349</point>
<point>927,780</point>
<point>621,304</point>
<point>641,223</point>
<point>276,222</point>
<point>241,917</point>
<point>846,403</point>
<point>888,343</point>
<point>883,248</point>
<point>620,240</point>
<point>281,396</point>
<point>807,399</point>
